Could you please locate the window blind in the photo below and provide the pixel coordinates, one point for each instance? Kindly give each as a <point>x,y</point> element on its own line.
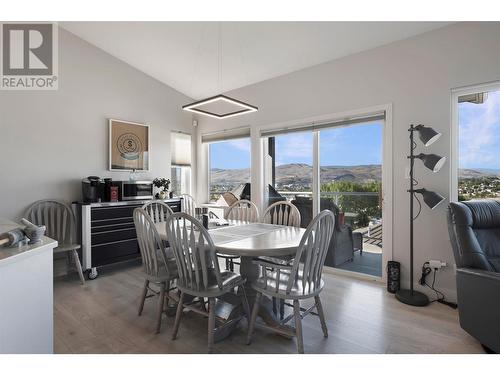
<point>180,149</point>
<point>323,125</point>
<point>226,135</point>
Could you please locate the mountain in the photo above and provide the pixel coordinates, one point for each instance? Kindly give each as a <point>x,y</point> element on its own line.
<point>301,174</point>
<point>478,173</point>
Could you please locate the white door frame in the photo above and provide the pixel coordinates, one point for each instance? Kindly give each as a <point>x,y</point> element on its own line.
<point>455,93</point>
<point>258,175</point>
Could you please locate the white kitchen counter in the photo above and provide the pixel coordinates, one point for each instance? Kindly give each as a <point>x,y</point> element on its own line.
<point>26,296</point>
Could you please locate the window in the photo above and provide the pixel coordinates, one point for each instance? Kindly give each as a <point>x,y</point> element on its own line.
<point>180,180</point>
<point>229,166</point>
<point>180,173</point>
<point>479,145</point>
<point>290,164</point>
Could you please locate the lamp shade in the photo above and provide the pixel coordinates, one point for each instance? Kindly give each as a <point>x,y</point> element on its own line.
<point>432,161</point>
<point>431,199</point>
<point>427,135</point>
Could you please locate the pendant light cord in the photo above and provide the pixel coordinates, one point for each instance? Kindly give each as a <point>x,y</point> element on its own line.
<point>219,55</point>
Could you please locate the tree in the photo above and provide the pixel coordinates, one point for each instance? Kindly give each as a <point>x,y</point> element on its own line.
<point>365,206</point>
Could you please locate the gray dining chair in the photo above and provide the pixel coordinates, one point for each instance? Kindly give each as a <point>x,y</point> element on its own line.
<point>59,219</point>
<point>199,273</point>
<point>158,264</point>
<point>157,210</point>
<point>188,204</point>
<point>300,280</point>
<point>281,213</point>
<point>245,211</point>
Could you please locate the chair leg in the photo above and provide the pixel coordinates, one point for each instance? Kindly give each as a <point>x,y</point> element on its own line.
<point>246,307</point>
<point>282,309</point>
<point>178,316</point>
<point>275,309</point>
<point>143,296</point>
<point>161,304</point>
<point>253,318</point>
<point>298,326</point>
<point>78,266</point>
<point>321,314</point>
<point>211,324</point>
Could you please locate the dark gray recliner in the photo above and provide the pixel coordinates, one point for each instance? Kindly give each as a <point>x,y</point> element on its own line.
<point>474,228</point>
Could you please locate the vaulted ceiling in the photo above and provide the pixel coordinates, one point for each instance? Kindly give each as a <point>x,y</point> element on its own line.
<point>202,59</point>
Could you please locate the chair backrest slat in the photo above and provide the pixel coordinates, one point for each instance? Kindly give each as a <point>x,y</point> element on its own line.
<point>57,216</point>
<point>282,213</point>
<point>312,250</point>
<point>243,210</point>
<point>158,211</point>
<point>194,252</point>
<point>153,252</point>
<point>188,204</point>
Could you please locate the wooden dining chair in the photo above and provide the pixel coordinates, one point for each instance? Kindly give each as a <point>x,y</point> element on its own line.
<point>157,210</point>
<point>158,264</point>
<point>199,273</point>
<point>188,204</point>
<point>59,219</point>
<point>281,213</point>
<point>241,210</point>
<point>300,280</point>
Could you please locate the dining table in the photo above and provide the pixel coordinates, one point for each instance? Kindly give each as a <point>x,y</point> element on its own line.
<point>248,241</point>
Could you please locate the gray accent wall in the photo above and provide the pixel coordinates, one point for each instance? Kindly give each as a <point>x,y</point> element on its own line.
<point>50,140</point>
<point>416,75</point>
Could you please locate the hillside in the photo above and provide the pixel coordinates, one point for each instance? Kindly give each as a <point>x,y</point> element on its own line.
<point>300,174</point>
<point>478,173</point>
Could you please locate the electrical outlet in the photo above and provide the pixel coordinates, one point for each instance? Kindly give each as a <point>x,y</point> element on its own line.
<point>436,264</point>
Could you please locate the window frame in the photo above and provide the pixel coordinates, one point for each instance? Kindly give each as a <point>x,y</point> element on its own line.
<point>454,134</point>
<point>209,168</point>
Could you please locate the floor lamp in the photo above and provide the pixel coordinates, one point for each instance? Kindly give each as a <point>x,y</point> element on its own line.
<point>433,162</point>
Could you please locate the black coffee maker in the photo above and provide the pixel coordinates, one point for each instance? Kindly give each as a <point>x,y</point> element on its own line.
<point>92,189</point>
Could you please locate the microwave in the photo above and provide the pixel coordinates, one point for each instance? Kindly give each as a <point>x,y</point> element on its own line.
<point>133,190</point>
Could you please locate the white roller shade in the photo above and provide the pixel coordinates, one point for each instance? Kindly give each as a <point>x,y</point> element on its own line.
<point>323,125</point>
<point>226,135</point>
<point>181,149</point>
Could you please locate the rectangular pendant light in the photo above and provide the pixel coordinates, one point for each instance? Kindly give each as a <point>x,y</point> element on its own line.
<point>242,107</point>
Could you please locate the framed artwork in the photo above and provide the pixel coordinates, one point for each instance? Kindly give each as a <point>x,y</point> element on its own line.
<point>128,146</point>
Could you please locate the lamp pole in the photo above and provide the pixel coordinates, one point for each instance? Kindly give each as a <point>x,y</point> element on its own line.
<point>410,296</point>
<point>412,160</point>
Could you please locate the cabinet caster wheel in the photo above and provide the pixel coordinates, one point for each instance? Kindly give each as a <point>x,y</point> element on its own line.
<point>92,274</point>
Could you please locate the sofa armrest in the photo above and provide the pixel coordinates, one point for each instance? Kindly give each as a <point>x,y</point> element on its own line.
<point>478,294</point>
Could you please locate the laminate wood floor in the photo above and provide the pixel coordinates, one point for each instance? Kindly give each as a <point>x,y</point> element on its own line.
<point>101,317</point>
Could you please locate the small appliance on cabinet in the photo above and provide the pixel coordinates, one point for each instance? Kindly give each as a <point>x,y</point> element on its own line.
<point>134,190</point>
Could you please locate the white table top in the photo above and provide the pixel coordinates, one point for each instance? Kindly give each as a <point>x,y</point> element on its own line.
<point>255,239</point>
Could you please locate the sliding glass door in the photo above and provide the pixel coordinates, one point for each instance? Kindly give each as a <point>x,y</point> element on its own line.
<point>351,184</point>
<point>335,166</point>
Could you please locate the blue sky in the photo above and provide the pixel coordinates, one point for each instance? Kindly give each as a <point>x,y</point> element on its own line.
<point>479,133</point>
<point>353,145</point>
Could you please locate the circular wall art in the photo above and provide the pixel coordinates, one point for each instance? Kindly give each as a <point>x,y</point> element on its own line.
<point>129,145</point>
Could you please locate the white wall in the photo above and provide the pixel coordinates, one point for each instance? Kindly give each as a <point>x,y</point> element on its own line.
<point>50,140</point>
<point>415,75</point>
